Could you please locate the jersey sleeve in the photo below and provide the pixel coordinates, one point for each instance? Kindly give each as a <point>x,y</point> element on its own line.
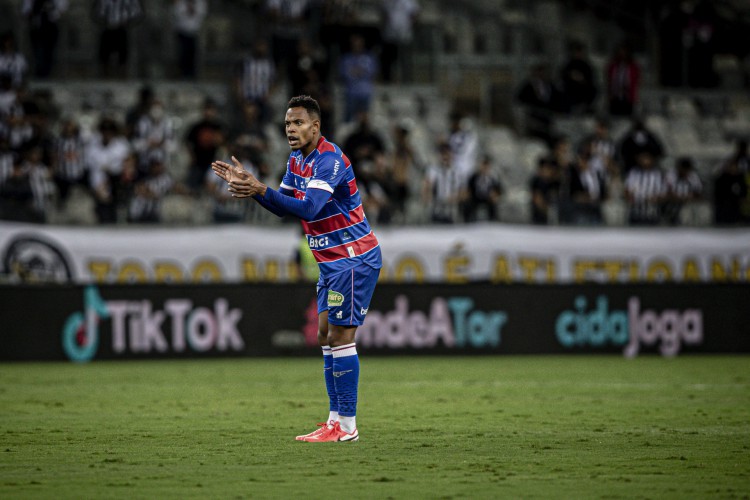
<point>287,182</point>
<point>328,173</point>
<point>306,208</point>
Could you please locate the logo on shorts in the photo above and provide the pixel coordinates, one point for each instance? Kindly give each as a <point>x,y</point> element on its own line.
<point>363,310</point>
<point>339,314</point>
<point>335,299</point>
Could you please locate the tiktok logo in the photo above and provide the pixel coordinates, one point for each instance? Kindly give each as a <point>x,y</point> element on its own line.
<point>80,337</point>
<point>138,327</point>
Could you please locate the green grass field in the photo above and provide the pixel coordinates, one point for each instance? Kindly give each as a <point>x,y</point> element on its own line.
<point>449,427</point>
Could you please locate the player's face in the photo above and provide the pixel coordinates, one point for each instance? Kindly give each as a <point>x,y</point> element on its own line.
<point>301,129</point>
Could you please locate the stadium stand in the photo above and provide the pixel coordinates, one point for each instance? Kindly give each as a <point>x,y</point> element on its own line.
<point>470,57</point>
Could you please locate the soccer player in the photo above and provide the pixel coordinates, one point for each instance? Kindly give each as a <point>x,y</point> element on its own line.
<point>319,188</point>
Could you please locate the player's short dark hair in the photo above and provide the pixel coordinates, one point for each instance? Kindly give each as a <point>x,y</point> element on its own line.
<point>307,102</point>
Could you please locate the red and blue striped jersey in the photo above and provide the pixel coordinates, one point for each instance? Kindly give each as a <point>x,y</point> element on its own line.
<point>339,235</point>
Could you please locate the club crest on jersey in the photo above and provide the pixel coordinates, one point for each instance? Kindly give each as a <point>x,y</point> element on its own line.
<point>335,299</point>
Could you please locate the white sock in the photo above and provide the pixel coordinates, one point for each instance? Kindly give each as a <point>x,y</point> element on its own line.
<point>333,416</point>
<point>348,424</point>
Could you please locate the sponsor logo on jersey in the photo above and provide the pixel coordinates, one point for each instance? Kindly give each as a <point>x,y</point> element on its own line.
<point>335,299</point>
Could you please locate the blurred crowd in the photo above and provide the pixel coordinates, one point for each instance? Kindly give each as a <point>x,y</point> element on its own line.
<point>573,183</point>
<point>126,166</point>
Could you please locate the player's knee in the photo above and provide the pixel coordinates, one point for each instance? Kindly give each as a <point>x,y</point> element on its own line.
<point>341,336</point>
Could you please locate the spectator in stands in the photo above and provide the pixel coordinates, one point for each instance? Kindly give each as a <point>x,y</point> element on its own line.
<point>188,18</point>
<point>323,93</point>
<point>150,191</point>
<point>41,136</point>
<point>18,126</point>
<point>639,139</point>
<point>43,17</point>
<point>588,190</point>
<point>442,188</point>
<point>111,169</point>
<point>13,64</point>
<point>363,145</point>
<point>730,190</point>
<point>577,78</point>
<point>602,148</point>
<point>398,17</point>
<point>645,189</point>
<point>484,190</point>
<point>40,177</point>
<point>154,136</point>
<point>376,191</point>
<point>623,81</point>
<point>464,143</point>
<point>544,187</point>
<point>8,96</point>
<point>670,30</point>
<point>115,18</point>
<point>338,21</point>
<point>540,98</point>
<point>699,37</point>
<point>564,167</point>
<point>16,194</point>
<point>255,78</point>
<point>403,164</point>
<point>358,70</point>
<point>7,157</point>
<point>742,156</point>
<point>309,75</point>
<point>309,68</point>
<point>250,133</point>
<point>684,186</point>
<point>68,161</point>
<point>288,22</point>
<point>146,98</point>
<point>203,139</point>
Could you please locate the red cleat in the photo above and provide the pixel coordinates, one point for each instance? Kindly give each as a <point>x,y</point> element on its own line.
<point>333,434</point>
<point>322,427</point>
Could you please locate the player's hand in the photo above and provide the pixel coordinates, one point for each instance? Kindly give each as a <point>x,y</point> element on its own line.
<point>230,172</point>
<point>245,185</point>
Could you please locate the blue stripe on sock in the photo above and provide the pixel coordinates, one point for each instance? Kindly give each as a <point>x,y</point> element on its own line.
<point>346,378</point>
<point>333,401</point>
